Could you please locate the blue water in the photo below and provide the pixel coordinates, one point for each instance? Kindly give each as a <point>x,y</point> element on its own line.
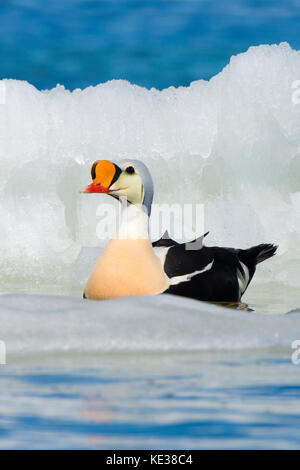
<point>239,398</point>
<point>150,43</point>
<point>230,401</point>
<point>156,372</point>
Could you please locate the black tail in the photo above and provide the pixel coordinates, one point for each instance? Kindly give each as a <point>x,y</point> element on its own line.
<point>257,254</point>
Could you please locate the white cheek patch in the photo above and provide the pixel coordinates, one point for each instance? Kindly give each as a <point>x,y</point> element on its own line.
<point>187,277</point>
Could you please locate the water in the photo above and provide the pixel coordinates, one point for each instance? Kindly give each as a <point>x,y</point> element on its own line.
<point>187,400</point>
<point>156,372</point>
<point>148,42</point>
<point>147,372</point>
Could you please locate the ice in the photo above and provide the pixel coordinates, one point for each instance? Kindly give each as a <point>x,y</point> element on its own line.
<point>231,143</point>
<point>36,324</point>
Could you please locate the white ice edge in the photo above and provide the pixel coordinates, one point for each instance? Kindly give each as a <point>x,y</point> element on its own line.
<point>44,324</point>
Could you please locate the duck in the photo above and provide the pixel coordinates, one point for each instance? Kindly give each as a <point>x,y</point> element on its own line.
<point>131,265</point>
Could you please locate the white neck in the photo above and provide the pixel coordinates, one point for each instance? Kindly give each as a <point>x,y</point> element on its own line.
<point>134,224</point>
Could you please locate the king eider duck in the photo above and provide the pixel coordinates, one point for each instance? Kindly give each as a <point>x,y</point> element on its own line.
<point>131,265</point>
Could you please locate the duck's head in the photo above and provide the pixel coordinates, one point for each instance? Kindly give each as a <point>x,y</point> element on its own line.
<point>127,179</point>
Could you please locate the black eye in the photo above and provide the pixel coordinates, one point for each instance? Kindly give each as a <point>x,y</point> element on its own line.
<point>130,170</point>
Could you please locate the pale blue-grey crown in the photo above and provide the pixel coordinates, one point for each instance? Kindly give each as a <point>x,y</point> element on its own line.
<point>146,180</point>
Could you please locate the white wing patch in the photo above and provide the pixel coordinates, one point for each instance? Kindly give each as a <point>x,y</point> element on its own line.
<point>187,277</point>
<point>243,279</point>
<point>161,252</point>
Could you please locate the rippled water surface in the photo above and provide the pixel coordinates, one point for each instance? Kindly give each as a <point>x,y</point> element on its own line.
<point>189,400</point>
<point>153,43</point>
<point>155,372</point>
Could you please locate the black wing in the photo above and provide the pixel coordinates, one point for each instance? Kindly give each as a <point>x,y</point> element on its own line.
<point>212,274</point>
